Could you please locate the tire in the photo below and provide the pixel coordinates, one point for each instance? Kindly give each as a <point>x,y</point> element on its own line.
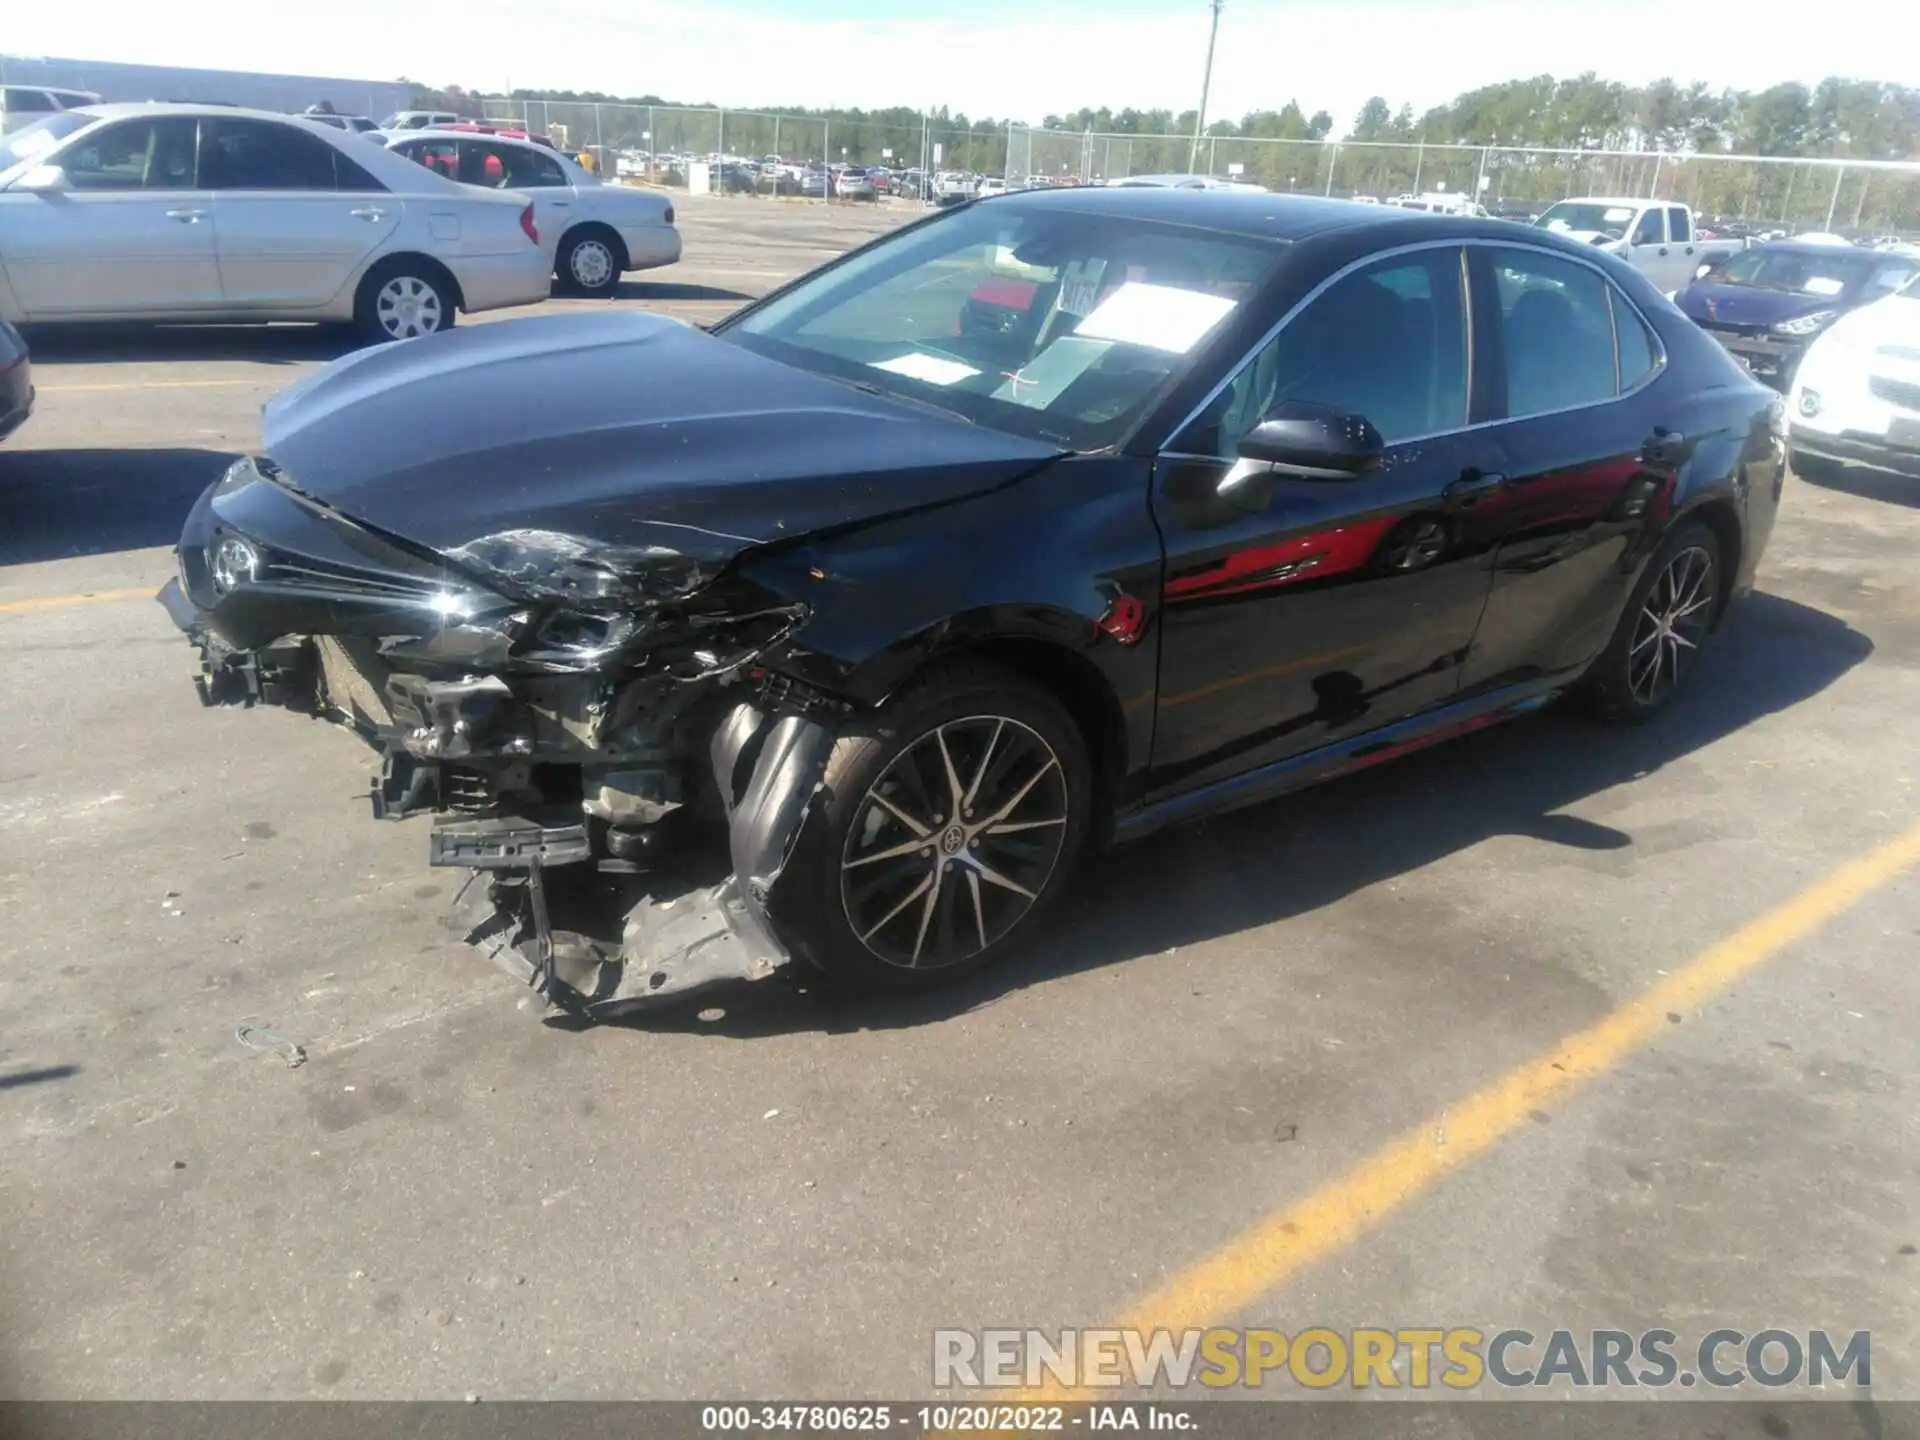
<point>851,902</point>
<point>589,263</point>
<point>1672,610</point>
<point>1817,468</point>
<point>402,299</point>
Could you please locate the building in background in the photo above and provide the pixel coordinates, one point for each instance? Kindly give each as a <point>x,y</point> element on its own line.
<point>288,93</point>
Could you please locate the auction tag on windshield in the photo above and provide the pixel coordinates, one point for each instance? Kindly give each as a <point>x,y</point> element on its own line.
<point>1158,317</point>
<point>1080,286</point>
<point>930,368</point>
<point>1822,285</point>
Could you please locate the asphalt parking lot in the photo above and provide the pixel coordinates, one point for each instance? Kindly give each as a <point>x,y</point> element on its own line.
<point>784,1195</point>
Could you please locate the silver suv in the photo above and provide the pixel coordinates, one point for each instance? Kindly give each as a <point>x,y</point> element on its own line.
<point>24,104</point>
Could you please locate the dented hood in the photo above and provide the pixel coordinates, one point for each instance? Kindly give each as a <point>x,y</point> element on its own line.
<point>619,429</point>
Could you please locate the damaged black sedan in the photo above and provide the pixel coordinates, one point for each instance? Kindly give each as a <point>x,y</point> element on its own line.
<point>836,634</point>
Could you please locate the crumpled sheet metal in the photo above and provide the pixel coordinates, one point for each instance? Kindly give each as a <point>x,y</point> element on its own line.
<point>555,566</point>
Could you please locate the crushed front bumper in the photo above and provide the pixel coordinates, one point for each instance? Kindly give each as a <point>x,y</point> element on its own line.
<point>597,930</point>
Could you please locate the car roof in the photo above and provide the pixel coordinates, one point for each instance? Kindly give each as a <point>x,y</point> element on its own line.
<point>116,109</point>
<point>1265,215</point>
<point>1816,247</point>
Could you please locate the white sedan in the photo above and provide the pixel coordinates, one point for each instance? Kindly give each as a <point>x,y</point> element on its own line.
<point>593,231</point>
<point>1856,393</point>
<point>188,212</point>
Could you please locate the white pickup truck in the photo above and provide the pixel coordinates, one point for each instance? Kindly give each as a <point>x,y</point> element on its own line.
<point>1656,237</point>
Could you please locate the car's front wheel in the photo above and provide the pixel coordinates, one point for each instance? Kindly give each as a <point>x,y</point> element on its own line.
<point>947,825</point>
<point>402,299</point>
<point>1660,637</point>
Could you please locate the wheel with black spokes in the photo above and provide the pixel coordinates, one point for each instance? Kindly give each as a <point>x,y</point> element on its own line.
<point>950,822</point>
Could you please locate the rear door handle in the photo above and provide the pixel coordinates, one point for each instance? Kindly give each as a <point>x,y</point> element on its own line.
<point>368,212</point>
<point>559,204</point>
<point>1473,486</point>
<point>187,217</point>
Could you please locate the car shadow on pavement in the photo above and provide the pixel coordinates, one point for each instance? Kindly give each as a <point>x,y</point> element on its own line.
<point>56,504</point>
<point>661,290</point>
<point>142,344</point>
<point>1870,484</point>
<point>1295,855</point>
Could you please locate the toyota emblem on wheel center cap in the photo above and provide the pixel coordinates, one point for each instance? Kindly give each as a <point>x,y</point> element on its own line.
<point>954,840</point>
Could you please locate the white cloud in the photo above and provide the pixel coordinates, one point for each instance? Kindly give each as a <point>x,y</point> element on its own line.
<point>1323,53</point>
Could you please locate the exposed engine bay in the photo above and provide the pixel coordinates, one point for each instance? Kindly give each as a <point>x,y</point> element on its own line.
<point>588,726</point>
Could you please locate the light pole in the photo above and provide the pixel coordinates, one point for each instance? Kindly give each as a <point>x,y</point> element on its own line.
<point>1206,84</point>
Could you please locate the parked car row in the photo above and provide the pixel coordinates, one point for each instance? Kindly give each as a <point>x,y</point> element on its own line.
<point>199,212</point>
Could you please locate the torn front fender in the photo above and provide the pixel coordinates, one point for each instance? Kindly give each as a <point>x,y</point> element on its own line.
<point>673,946</point>
<point>674,943</point>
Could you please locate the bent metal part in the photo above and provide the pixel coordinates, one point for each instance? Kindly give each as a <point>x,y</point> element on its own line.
<point>467,747</point>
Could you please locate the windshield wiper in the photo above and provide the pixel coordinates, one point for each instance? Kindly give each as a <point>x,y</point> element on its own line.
<point>867,387</point>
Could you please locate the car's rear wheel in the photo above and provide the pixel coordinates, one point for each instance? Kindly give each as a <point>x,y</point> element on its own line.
<point>947,826</point>
<point>402,299</point>
<point>1660,637</point>
<point>589,263</point>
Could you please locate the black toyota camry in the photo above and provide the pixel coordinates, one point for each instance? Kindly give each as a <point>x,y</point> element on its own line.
<point>838,633</point>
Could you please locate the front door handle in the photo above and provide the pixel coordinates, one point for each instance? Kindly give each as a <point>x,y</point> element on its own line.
<point>1473,486</point>
<point>1663,249</point>
<point>368,212</point>
<point>187,217</point>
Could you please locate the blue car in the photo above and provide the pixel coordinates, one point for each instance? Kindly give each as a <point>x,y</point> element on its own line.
<point>1768,304</point>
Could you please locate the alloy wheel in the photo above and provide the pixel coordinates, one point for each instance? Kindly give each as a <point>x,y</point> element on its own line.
<point>591,263</point>
<point>408,306</point>
<point>954,842</point>
<point>1673,621</point>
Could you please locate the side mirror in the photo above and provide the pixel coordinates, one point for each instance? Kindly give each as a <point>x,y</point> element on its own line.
<point>1318,441</point>
<point>46,179</point>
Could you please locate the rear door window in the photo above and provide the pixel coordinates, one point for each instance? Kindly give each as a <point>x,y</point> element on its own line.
<point>260,155</point>
<point>1679,225</point>
<point>1556,332</point>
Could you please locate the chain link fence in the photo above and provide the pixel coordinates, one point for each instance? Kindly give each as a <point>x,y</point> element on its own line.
<point>747,152</point>
<point>1859,196</point>
<point>760,153</point>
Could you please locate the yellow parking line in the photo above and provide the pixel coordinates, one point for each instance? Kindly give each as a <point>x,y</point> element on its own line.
<point>62,602</point>
<point>1289,1239</point>
<point>156,385</point>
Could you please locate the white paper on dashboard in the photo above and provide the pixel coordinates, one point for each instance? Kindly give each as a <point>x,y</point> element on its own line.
<point>1822,285</point>
<point>1159,317</point>
<point>929,368</point>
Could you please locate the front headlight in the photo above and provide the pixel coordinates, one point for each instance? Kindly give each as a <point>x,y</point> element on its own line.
<point>1807,324</point>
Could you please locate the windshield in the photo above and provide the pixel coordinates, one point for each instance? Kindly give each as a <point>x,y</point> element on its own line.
<point>1794,272</point>
<point>1608,220</point>
<point>30,142</point>
<point>1055,324</point>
